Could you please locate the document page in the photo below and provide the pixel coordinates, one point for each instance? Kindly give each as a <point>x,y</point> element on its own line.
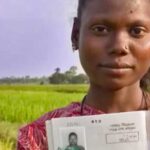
<point>118,131</point>
<point>148,128</point>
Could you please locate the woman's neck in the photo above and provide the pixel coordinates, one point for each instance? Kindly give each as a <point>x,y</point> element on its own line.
<point>122,100</point>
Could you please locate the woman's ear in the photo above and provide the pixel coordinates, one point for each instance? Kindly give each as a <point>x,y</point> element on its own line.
<point>75,34</point>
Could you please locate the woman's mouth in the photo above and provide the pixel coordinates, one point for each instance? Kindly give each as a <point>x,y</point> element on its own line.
<point>116,69</point>
<point>116,65</point>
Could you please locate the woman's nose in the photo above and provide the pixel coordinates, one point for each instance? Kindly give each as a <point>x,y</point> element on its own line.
<point>119,44</point>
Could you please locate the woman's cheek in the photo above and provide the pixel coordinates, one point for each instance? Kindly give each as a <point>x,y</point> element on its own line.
<point>91,47</point>
<point>141,49</point>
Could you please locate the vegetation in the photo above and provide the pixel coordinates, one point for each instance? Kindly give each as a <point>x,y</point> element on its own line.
<point>24,80</point>
<point>21,104</point>
<point>70,76</point>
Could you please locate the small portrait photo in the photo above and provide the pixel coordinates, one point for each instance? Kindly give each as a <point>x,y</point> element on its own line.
<point>72,138</point>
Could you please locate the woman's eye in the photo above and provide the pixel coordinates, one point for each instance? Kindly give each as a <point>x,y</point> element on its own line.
<point>138,31</point>
<point>100,29</point>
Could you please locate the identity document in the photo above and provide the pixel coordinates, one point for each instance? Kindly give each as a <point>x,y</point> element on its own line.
<point>116,131</point>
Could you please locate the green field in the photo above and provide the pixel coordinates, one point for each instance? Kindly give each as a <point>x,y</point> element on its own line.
<point>21,104</point>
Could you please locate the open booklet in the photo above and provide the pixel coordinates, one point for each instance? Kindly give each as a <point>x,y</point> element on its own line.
<point>117,131</point>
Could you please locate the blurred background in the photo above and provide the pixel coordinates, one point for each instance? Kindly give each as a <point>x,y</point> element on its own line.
<point>38,69</point>
<point>35,37</point>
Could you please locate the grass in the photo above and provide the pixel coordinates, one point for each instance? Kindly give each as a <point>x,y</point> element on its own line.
<point>65,88</point>
<point>21,104</point>
<point>8,135</point>
<point>6,145</point>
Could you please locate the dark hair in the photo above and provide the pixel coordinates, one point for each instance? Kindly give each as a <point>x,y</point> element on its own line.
<point>72,134</point>
<point>145,81</point>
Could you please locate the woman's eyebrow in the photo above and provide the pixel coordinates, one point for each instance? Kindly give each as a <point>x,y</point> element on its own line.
<point>113,21</point>
<point>140,22</point>
<point>104,21</point>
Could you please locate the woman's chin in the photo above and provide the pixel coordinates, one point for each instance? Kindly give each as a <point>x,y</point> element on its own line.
<point>112,85</point>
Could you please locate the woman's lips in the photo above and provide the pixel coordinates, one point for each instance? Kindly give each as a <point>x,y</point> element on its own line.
<point>116,65</point>
<point>117,69</point>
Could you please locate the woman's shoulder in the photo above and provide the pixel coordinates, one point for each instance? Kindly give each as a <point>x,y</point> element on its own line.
<point>72,109</point>
<point>34,134</point>
<point>67,111</point>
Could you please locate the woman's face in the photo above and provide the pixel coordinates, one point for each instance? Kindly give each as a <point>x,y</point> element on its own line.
<point>114,41</point>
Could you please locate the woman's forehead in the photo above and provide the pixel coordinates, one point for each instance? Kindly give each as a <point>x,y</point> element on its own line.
<point>111,5</point>
<point>116,12</point>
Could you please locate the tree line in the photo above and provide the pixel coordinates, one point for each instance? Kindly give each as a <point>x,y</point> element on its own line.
<point>68,77</point>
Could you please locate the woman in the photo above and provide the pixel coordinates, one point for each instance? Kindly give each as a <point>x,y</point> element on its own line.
<point>113,40</point>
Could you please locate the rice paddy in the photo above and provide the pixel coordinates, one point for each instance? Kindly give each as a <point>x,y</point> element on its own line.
<point>21,104</point>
